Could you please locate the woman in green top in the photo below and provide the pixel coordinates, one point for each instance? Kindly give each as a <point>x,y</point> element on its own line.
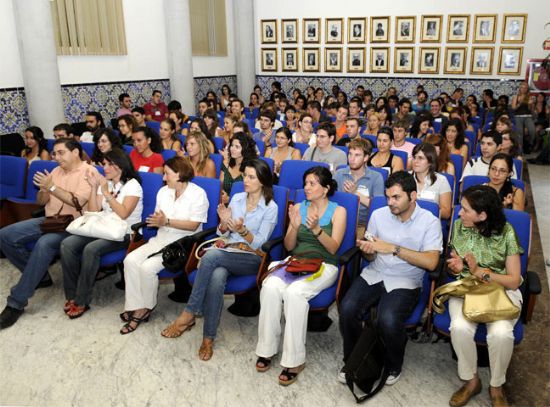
<point>316,224</point>
<point>486,246</point>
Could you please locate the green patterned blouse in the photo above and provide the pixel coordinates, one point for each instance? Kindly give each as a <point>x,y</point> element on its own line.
<point>490,252</point>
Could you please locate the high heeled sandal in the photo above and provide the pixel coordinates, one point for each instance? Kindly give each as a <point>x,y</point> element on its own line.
<point>76,311</point>
<point>266,362</point>
<point>129,328</point>
<point>126,315</point>
<point>174,331</point>
<point>291,377</point>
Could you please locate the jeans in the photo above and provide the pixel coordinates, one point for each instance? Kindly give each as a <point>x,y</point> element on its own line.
<point>522,123</point>
<point>207,294</point>
<point>80,258</point>
<point>33,264</point>
<point>394,308</point>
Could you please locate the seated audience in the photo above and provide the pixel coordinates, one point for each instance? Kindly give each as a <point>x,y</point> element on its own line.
<point>179,120</point>
<point>36,146</point>
<point>65,130</point>
<point>105,140</point>
<point>407,242</point>
<point>324,151</point>
<point>340,122</point>
<point>168,136</point>
<point>304,133</point>
<point>500,173</point>
<point>139,116</point>
<point>126,126</point>
<point>420,105</point>
<point>384,158</point>
<point>283,150</point>
<point>240,149</point>
<point>155,110</point>
<point>489,144</point>
<point>486,246</point>
<point>352,131</point>
<point>314,224</point>
<point>181,209</point>
<point>94,121</point>
<point>355,105</point>
<point>456,141</point>
<point>197,148</point>
<point>399,143</point>
<point>146,155</point>
<point>249,220</point>
<point>125,105</point>
<point>211,120</point>
<point>199,125</point>
<point>404,113</point>
<point>291,118</point>
<point>422,126</point>
<point>360,180</point>
<point>510,145</point>
<point>119,192</point>
<point>444,163</point>
<point>314,109</point>
<point>56,191</point>
<point>373,124</point>
<point>463,114</point>
<point>229,122</point>
<point>437,116</point>
<point>384,114</point>
<point>266,136</point>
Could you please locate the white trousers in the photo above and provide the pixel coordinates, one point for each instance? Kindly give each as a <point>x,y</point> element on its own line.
<point>140,275</point>
<point>275,294</point>
<point>500,341</point>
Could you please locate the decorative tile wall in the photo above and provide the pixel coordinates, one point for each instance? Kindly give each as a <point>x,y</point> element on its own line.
<point>405,86</point>
<point>215,83</point>
<point>14,116</point>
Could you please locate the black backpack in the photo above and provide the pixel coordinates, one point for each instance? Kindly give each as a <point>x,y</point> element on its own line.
<point>365,368</point>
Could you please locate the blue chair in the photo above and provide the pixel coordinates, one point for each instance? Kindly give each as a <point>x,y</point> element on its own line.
<point>219,143</point>
<point>436,126</point>
<point>292,172</point>
<point>269,162</point>
<point>302,147</point>
<point>382,171</point>
<point>153,125</point>
<point>401,154</point>
<point>518,164</point>
<point>88,148</point>
<point>218,160</point>
<point>167,154</point>
<point>261,148</point>
<point>12,176</point>
<point>31,190</point>
<point>458,163</point>
<point>252,114</point>
<point>472,141</point>
<point>251,123</point>
<point>254,130</point>
<point>343,148</point>
<point>413,140</point>
<point>50,142</point>
<point>182,139</point>
<point>472,180</point>
<point>127,149</point>
<point>371,138</point>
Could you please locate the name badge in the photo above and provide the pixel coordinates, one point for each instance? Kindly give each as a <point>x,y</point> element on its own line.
<point>157,113</point>
<point>143,168</point>
<point>428,195</point>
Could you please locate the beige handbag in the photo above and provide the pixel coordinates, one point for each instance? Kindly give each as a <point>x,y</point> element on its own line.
<point>483,302</point>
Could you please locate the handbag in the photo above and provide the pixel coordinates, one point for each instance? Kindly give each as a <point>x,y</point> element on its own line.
<point>300,265</point>
<point>58,223</point>
<point>176,254</point>
<point>101,225</point>
<point>483,302</point>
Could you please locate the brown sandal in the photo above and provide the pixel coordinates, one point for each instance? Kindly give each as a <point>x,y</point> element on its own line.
<point>263,364</point>
<point>175,331</point>
<point>68,305</point>
<point>290,377</point>
<point>206,351</point>
<point>76,311</point>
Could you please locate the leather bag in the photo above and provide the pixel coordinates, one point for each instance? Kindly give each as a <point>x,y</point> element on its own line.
<point>58,223</point>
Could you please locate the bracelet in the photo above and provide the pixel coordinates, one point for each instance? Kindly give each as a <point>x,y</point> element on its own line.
<point>109,198</point>
<point>244,233</point>
<point>317,234</point>
<point>167,222</point>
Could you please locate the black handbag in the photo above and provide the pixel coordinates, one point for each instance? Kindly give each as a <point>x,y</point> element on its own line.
<point>176,254</point>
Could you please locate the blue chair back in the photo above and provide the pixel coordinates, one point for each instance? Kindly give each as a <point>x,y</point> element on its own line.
<point>343,148</point>
<point>12,176</point>
<point>452,184</point>
<point>518,164</point>
<point>472,141</point>
<point>88,148</point>
<point>261,148</point>
<point>413,140</point>
<point>218,160</point>
<point>382,171</point>
<point>401,154</point>
<point>254,130</point>
<point>127,149</point>
<point>50,142</point>
<point>458,163</point>
<point>436,126</point>
<point>472,180</point>
<point>41,165</point>
<point>302,147</point>
<point>167,154</point>
<point>269,162</point>
<point>153,125</point>
<point>292,172</point>
<point>252,114</point>
<point>182,140</point>
<point>212,187</point>
<point>371,138</point>
<point>219,143</point>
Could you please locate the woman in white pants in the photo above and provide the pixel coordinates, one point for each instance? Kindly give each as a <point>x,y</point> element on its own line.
<point>316,225</point>
<point>181,209</point>
<point>486,246</point>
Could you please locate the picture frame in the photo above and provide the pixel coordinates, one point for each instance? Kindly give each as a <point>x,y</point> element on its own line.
<point>509,60</point>
<point>357,30</point>
<point>289,30</point>
<point>428,60</point>
<point>356,60</point>
<point>455,60</point>
<point>289,59</point>
<point>458,28</point>
<point>311,31</point>
<point>430,28</point>
<point>379,29</point>
<point>481,61</point>
<point>405,29</point>
<point>269,31</point>
<point>269,59</point>
<point>311,59</point>
<point>485,28</point>
<point>379,59</point>
<point>333,59</point>
<point>513,28</point>
<point>403,61</point>
<point>334,31</point>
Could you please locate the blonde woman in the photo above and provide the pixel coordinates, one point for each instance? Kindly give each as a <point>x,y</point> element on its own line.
<point>197,149</point>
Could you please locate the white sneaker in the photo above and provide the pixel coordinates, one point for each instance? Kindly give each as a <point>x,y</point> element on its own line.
<point>342,376</point>
<point>393,378</point>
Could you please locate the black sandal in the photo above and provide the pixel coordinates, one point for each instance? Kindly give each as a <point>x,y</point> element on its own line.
<point>126,315</point>
<point>266,362</point>
<point>291,377</point>
<point>128,328</point>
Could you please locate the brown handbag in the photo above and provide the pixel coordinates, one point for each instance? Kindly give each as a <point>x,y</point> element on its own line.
<point>298,264</point>
<point>58,223</point>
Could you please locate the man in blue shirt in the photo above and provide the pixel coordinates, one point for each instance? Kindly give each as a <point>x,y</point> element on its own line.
<point>360,180</point>
<point>266,136</point>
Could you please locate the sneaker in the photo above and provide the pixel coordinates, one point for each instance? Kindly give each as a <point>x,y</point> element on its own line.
<point>342,376</point>
<point>393,377</point>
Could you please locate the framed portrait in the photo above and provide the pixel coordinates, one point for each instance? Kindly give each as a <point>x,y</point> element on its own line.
<point>311,60</point>
<point>334,30</point>
<point>311,30</point>
<point>289,28</point>
<point>485,28</point>
<point>379,29</point>
<point>431,29</point>
<point>428,61</point>
<point>458,28</point>
<point>509,60</point>
<point>269,59</point>
<point>333,59</point>
<point>481,61</point>
<point>379,59</point>
<point>455,60</point>
<point>269,31</point>
<point>403,61</point>
<point>357,30</point>
<point>513,28</point>
<point>405,29</point>
<point>356,59</point>
<point>289,59</point>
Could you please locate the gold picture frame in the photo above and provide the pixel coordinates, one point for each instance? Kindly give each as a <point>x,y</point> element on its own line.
<point>357,30</point>
<point>334,31</point>
<point>269,60</point>
<point>403,60</point>
<point>333,59</point>
<point>311,59</point>
<point>269,31</point>
<point>405,29</point>
<point>311,31</point>
<point>455,60</point>
<point>485,28</point>
<point>458,28</point>
<point>510,60</point>
<point>289,60</point>
<point>380,29</point>
<point>289,31</point>
<point>379,59</point>
<point>356,60</point>
<point>513,28</point>
<point>428,60</point>
<point>430,28</point>
<point>481,61</point>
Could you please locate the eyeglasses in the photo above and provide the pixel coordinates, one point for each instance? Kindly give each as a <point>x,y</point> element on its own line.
<point>499,170</point>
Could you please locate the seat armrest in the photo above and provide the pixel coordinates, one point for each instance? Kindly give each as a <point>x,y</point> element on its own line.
<point>203,234</point>
<point>270,244</point>
<point>349,254</point>
<point>136,226</point>
<point>38,213</point>
<point>532,282</point>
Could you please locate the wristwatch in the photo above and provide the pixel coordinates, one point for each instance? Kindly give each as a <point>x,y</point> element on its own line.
<point>486,277</point>
<point>396,251</point>
<point>52,188</point>
<point>167,221</point>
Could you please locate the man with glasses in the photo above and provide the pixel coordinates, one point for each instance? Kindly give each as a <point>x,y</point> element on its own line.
<point>324,151</point>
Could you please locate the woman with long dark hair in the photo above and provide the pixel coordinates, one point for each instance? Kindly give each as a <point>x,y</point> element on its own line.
<point>105,140</point>
<point>36,146</point>
<point>453,132</point>
<point>501,169</point>
<point>241,149</point>
<point>147,148</point>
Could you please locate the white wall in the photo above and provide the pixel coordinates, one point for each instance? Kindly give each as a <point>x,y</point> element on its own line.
<point>280,9</point>
<point>10,67</point>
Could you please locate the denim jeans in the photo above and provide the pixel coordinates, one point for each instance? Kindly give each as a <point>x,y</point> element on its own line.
<point>524,122</point>
<point>33,264</point>
<point>80,258</point>
<point>394,308</point>
<point>208,288</point>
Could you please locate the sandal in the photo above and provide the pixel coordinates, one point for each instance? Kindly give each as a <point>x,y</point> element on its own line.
<point>134,322</point>
<point>67,306</point>
<point>174,330</point>
<point>76,311</point>
<point>126,315</point>
<point>206,351</point>
<point>290,377</point>
<point>263,364</point>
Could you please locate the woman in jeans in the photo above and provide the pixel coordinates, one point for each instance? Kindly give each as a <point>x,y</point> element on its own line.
<point>486,246</point>
<point>523,106</point>
<point>119,192</point>
<point>249,219</point>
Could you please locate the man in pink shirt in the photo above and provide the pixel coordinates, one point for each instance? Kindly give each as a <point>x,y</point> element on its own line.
<point>125,105</point>
<point>399,133</point>
<point>155,110</point>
